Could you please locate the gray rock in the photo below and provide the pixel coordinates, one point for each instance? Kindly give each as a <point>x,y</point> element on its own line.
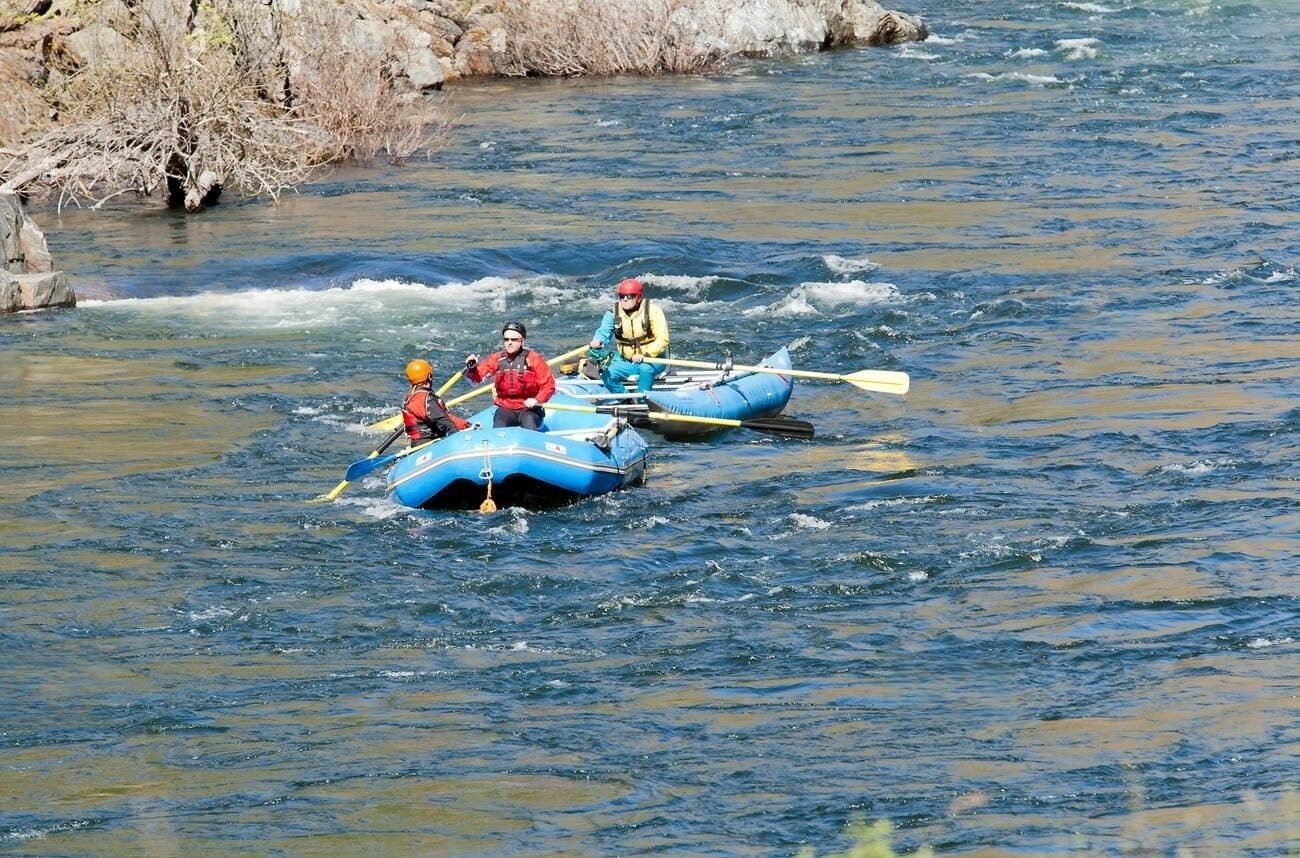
<point>19,10</point>
<point>35,292</point>
<point>414,54</point>
<point>97,42</point>
<point>26,279</point>
<point>779,27</point>
<point>11,219</point>
<point>35,252</point>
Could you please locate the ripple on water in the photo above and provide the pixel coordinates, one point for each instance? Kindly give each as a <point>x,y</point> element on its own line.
<point>1050,590</point>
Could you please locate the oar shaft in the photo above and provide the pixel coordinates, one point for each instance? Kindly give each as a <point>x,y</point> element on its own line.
<point>798,373</point>
<point>883,381</point>
<point>465,397</point>
<point>608,395</point>
<point>653,415</point>
<point>690,418</point>
<point>451,382</point>
<point>772,425</point>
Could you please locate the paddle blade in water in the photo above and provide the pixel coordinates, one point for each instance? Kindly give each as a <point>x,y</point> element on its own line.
<point>787,426</point>
<point>338,490</point>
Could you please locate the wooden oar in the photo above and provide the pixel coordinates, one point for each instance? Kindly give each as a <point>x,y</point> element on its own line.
<point>389,422</point>
<point>338,490</point>
<point>771,425</point>
<point>878,380</point>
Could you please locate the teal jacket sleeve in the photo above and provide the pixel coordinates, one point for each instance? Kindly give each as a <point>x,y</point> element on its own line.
<point>605,330</point>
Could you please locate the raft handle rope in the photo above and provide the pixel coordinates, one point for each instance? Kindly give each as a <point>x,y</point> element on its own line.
<point>488,504</point>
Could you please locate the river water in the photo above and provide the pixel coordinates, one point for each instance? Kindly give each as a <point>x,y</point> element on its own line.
<point>1045,604</point>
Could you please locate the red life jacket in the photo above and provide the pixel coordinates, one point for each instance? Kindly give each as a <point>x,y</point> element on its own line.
<point>515,378</point>
<point>420,426</point>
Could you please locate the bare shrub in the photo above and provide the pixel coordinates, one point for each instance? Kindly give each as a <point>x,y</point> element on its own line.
<point>607,37</point>
<point>349,94</point>
<point>213,94</point>
<point>19,108</point>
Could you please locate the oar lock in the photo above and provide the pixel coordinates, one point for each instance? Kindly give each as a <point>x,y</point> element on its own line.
<point>603,439</point>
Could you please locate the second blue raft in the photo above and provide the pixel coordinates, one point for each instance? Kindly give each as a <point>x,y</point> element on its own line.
<point>721,393</point>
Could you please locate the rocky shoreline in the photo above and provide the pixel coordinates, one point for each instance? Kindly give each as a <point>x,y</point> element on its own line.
<point>433,42</point>
<point>425,45</point>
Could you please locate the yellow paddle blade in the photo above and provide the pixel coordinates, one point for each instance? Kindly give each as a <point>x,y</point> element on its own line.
<point>879,380</point>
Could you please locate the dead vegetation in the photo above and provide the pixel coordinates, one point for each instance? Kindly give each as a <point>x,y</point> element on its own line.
<point>194,97</point>
<point>566,38</point>
<point>197,96</point>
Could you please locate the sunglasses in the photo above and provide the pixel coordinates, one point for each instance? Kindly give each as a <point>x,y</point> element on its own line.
<point>513,339</point>
<point>627,297</point>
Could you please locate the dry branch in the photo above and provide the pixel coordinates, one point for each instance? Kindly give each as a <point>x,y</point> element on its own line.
<point>214,94</point>
<point>606,37</point>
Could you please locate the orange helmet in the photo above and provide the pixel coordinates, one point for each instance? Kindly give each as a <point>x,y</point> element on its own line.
<point>630,286</point>
<point>418,371</point>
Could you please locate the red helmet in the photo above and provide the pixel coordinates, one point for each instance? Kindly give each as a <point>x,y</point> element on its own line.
<point>630,286</point>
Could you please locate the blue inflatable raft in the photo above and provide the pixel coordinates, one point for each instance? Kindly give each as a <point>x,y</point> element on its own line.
<point>720,393</point>
<point>574,455</point>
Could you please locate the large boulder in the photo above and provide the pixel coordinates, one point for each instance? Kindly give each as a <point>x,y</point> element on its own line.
<point>780,27</point>
<point>855,22</point>
<point>35,291</point>
<point>27,281</point>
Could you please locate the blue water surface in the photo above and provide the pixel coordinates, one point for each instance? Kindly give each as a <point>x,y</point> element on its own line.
<point>1044,604</point>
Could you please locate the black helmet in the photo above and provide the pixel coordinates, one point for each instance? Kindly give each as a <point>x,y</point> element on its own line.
<point>518,327</point>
